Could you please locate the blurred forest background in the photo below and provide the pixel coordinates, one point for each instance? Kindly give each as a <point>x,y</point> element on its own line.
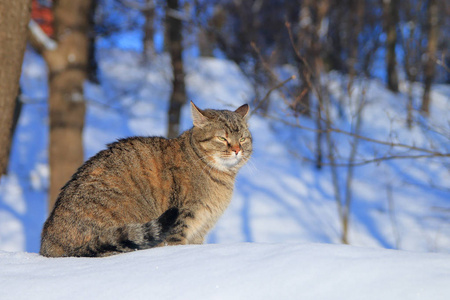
<point>286,48</point>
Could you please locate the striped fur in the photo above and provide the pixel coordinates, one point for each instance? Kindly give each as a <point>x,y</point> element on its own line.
<point>143,192</point>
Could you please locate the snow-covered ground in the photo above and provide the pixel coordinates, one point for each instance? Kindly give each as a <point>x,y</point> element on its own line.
<point>281,207</point>
<point>231,271</point>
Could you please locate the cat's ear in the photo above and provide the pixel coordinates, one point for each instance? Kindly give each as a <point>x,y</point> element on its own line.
<point>243,110</point>
<point>197,116</point>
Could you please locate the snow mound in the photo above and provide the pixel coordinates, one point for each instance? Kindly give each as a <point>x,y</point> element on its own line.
<point>233,271</point>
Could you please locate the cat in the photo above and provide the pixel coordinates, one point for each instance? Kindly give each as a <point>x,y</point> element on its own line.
<point>144,192</point>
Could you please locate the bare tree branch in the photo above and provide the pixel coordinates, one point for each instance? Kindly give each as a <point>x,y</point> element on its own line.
<point>174,13</point>
<point>260,102</point>
<point>372,140</point>
<point>376,159</point>
<point>138,6</point>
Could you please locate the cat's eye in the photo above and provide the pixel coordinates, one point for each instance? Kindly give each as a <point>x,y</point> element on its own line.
<point>222,139</point>
<point>242,140</point>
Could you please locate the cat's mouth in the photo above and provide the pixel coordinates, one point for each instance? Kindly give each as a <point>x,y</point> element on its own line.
<point>228,161</point>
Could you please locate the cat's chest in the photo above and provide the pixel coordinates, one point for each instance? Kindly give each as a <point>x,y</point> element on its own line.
<point>205,190</point>
<point>193,184</point>
<point>209,203</point>
<point>215,195</point>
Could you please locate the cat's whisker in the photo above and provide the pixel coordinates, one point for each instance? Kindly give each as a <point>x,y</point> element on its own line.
<point>251,166</point>
<point>204,159</point>
<point>210,169</point>
<point>205,167</point>
<point>207,164</point>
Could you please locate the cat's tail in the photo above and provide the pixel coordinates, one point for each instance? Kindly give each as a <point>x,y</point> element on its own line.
<point>130,237</point>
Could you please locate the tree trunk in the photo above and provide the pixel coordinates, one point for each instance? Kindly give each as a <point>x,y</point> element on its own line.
<point>205,42</point>
<point>175,43</point>
<point>432,24</point>
<point>411,60</point>
<point>16,115</point>
<point>391,19</point>
<point>67,66</point>
<point>149,15</point>
<point>92,59</point>
<point>305,44</point>
<point>355,23</point>
<point>14,18</point>
<point>311,16</point>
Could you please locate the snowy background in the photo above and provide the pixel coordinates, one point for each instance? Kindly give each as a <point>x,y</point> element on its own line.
<point>399,204</point>
<point>270,243</point>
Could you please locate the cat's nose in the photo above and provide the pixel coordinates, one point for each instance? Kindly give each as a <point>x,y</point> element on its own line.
<point>235,149</point>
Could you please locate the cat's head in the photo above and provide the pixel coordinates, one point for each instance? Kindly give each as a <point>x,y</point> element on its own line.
<point>223,136</point>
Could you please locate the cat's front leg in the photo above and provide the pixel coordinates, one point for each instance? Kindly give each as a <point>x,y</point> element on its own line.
<point>176,239</point>
<point>179,233</point>
<point>181,240</point>
<point>198,240</point>
<point>188,229</point>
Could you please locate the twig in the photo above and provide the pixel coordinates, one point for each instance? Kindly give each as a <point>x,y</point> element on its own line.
<point>269,70</point>
<point>392,217</point>
<point>176,14</point>
<point>138,6</point>
<point>379,159</point>
<point>297,53</point>
<point>281,84</point>
<point>441,62</point>
<point>337,130</point>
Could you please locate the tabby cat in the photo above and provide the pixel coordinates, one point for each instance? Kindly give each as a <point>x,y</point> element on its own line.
<point>143,192</point>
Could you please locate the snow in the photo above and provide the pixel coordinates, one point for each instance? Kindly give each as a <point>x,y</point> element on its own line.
<point>230,271</point>
<point>277,240</point>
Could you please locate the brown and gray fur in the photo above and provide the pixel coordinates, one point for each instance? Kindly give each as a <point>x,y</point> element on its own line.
<point>143,192</point>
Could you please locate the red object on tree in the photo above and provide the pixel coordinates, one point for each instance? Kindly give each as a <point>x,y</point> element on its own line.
<point>43,15</point>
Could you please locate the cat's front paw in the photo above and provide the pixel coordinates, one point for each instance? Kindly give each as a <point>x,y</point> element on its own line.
<point>175,240</point>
